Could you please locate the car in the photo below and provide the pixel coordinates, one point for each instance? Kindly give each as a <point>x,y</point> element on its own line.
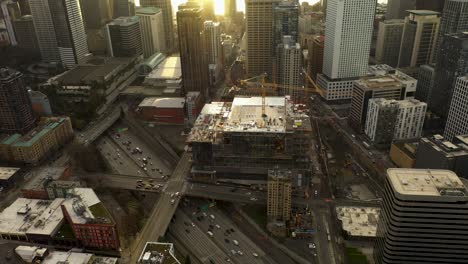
<point>153,169</point>
<point>249,193</point>
<point>212,261</point>
<point>212,217</point>
<point>120,162</point>
<point>255,255</point>
<point>192,224</point>
<point>235,242</point>
<point>233,252</point>
<point>172,201</point>
<point>177,194</point>
<point>185,223</point>
<point>218,226</point>
<point>253,199</point>
<point>210,233</point>
<point>232,230</point>
<point>172,195</point>
<point>240,253</point>
<point>187,231</point>
<point>226,240</point>
<point>204,214</point>
<point>227,259</point>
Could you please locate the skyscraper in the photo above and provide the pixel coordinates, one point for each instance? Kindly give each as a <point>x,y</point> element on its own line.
<point>289,65</point>
<point>348,35</point>
<point>124,8</point>
<point>10,11</point>
<point>285,22</point>
<point>124,37</point>
<point>426,76</point>
<point>212,35</point>
<point>452,62</point>
<point>259,21</point>
<point>69,30</point>
<point>152,30</point>
<point>45,30</point>
<point>422,218</point>
<point>419,38</point>
<point>316,56</point>
<point>26,34</point>
<point>16,114</point>
<point>434,5</point>
<point>279,195</point>
<point>96,14</point>
<point>397,8</point>
<point>389,41</point>
<point>168,22</point>
<point>457,122</point>
<point>192,48</point>
<point>230,8</point>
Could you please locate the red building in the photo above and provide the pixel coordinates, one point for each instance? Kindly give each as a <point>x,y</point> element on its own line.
<point>91,223</point>
<point>163,110</point>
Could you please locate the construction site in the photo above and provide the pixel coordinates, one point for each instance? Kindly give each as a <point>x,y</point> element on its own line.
<point>244,138</point>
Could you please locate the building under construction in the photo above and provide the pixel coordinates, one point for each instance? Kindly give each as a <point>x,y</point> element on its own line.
<point>245,138</point>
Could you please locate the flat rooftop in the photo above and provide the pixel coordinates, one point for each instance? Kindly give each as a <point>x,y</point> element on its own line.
<point>7,172</point>
<point>32,216</point>
<point>378,82</point>
<point>450,149</point>
<point>86,207</point>
<point>169,102</point>
<point>168,69</point>
<point>426,182</point>
<point>38,177</point>
<point>359,221</point>
<point>158,253</point>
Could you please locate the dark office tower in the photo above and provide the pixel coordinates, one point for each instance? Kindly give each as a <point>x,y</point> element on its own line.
<point>434,5</point>
<point>45,30</point>
<point>69,30</point>
<point>26,34</point>
<point>124,37</point>
<point>24,7</point>
<point>396,9</point>
<point>124,8</point>
<point>166,8</point>
<point>452,62</point>
<point>10,11</point>
<point>389,41</point>
<point>285,22</point>
<point>454,20</point>
<point>96,13</point>
<point>426,76</point>
<point>230,8</point>
<point>316,56</point>
<point>16,114</point>
<point>423,218</point>
<point>192,48</point>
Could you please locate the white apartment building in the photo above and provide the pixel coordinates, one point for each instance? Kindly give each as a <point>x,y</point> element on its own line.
<point>152,30</point>
<point>410,119</point>
<point>457,121</point>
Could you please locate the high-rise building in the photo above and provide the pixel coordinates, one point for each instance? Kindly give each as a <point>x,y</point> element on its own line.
<point>426,77</point>
<point>124,8</point>
<point>372,87</point>
<point>410,120</point>
<point>96,14</point>
<point>230,8</point>
<point>16,114</point>
<point>279,195</point>
<point>396,9</point>
<point>452,62</point>
<point>422,214</point>
<point>208,9</point>
<point>26,34</point>
<point>10,11</point>
<point>434,5</point>
<point>454,20</point>
<point>285,22</point>
<point>259,21</point>
<point>435,152</point>
<point>152,30</point>
<point>348,35</point>
<point>457,121</point>
<point>381,121</point>
<point>316,56</point>
<point>212,35</point>
<point>168,22</point>
<point>192,49</point>
<point>389,41</point>
<point>289,65</point>
<point>45,30</point>
<point>419,38</point>
<point>124,37</point>
<point>69,30</point>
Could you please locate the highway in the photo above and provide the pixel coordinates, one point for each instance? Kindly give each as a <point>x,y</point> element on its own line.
<point>99,126</point>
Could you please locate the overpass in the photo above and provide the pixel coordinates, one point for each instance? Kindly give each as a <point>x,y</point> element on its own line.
<point>102,124</point>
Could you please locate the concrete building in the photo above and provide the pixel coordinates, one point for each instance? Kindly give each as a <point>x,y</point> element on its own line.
<point>40,104</point>
<point>452,62</point>
<point>163,110</point>
<point>403,154</point>
<point>166,77</point>
<point>90,221</point>
<point>26,34</point>
<point>381,121</point>
<point>124,37</point>
<point>194,104</point>
<point>436,152</point>
<point>316,49</point>
<point>60,188</point>
<point>285,22</point>
<point>34,254</point>
<point>289,67</point>
<point>372,88</point>
<point>396,9</point>
<point>168,22</point>
<point>152,30</point>
<point>36,187</point>
<point>348,34</point>
<point>426,78</point>
<point>457,121</point>
<point>8,176</point>
<point>96,14</point>
<point>260,37</point>
<point>279,195</point>
<point>16,113</point>
<point>233,140</point>
<point>419,38</point>
<point>410,120</point>
<point>422,214</point>
<point>70,32</point>
<point>124,8</point>
<point>50,134</point>
<point>156,252</point>
<point>389,41</point>
<point>45,31</point>
<point>192,48</point>
<point>358,223</point>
